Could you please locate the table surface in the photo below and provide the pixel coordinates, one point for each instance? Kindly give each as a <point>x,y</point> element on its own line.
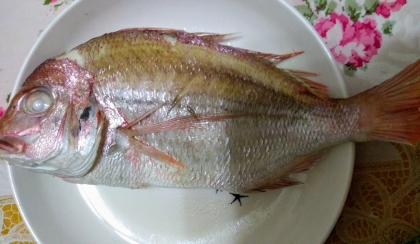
<point>371,40</point>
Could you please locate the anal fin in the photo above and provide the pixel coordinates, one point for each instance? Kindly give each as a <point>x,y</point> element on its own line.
<point>304,163</point>
<point>277,185</point>
<point>300,165</point>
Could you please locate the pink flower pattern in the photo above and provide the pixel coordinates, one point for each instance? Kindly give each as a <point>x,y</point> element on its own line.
<point>351,30</point>
<point>385,8</point>
<point>360,37</point>
<point>2,111</point>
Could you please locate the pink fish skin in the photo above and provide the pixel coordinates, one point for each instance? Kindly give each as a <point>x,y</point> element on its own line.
<point>167,108</point>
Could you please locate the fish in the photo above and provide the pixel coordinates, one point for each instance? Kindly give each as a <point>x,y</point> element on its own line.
<point>149,107</point>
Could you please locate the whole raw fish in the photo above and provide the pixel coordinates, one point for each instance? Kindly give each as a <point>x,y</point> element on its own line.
<point>159,107</point>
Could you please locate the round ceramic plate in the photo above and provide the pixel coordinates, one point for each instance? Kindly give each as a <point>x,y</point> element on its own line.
<point>60,212</point>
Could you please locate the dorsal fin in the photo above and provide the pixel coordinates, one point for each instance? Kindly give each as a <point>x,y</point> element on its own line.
<point>206,37</point>
<point>313,87</point>
<point>212,37</point>
<point>318,89</point>
<point>275,58</point>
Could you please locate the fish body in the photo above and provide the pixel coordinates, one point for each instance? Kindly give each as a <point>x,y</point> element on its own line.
<point>167,108</point>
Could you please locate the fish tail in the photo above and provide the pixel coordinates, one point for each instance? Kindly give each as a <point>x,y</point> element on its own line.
<point>391,111</point>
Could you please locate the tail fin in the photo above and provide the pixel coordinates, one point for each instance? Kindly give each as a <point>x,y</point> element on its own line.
<point>391,110</point>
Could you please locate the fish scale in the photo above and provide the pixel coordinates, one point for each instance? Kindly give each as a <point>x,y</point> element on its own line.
<point>169,108</point>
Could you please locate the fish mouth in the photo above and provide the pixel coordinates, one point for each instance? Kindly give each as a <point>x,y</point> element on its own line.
<point>11,145</point>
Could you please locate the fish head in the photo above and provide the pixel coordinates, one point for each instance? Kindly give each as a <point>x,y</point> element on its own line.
<point>53,124</point>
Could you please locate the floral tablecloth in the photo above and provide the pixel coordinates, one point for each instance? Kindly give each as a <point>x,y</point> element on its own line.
<point>371,40</point>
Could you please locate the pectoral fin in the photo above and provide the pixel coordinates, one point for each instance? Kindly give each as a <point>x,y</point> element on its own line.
<point>143,116</point>
<point>155,153</point>
<point>180,123</point>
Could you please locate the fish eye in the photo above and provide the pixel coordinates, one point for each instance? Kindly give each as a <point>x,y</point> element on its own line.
<point>37,102</point>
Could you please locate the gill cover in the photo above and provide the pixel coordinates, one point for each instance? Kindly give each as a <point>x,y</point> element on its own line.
<point>80,143</point>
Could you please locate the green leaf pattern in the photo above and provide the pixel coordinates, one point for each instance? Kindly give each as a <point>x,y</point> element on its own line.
<point>330,7</point>
<point>352,9</point>
<point>370,6</point>
<point>387,27</point>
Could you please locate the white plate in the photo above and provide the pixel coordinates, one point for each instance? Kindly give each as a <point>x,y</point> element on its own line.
<point>59,212</point>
